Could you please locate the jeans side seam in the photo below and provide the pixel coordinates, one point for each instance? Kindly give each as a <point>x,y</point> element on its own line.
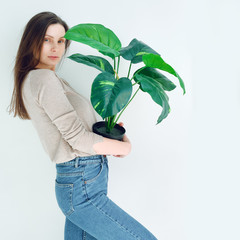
<point>121,226</point>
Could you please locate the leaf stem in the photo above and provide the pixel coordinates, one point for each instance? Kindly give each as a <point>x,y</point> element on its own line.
<point>116,74</point>
<point>112,122</point>
<point>129,70</point>
<point>114,67</point>
<point>118,63</point>
<point>126,105</point>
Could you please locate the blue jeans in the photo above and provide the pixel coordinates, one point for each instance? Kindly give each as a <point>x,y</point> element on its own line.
<point>81,193</point>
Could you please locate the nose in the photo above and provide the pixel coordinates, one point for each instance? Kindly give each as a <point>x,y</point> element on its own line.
<point>54,47</point>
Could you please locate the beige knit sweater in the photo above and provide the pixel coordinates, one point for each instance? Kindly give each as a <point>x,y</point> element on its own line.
<point>62,117</point>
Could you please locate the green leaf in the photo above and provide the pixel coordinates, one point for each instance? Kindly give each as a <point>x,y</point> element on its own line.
<point>166,84</point>
<point>108,95</point>
<point>156,91</point>
<point>109,54</point>
<point>135,50</point>
<point>96,36</point>
<point>93,61</point>
<point>155,61</point>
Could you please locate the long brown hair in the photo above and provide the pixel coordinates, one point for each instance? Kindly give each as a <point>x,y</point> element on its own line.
<point>30,46</point>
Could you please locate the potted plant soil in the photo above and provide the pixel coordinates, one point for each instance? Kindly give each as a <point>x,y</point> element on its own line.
<point>110,93</point>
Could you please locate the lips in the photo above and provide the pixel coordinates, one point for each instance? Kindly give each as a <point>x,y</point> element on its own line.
<point>53,57</point>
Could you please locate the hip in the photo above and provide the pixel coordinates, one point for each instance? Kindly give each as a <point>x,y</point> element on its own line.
<point>79,180</point>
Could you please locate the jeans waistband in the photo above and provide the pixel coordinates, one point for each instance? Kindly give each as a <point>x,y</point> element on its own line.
<point>84,160</point>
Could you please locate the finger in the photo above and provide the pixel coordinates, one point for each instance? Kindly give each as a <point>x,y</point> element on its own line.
<point>121,124</point>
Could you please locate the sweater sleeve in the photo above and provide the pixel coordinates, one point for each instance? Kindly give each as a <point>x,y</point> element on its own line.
<point>50,95</point>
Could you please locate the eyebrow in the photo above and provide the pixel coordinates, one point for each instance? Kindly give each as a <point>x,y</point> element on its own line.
<point>52,36</point>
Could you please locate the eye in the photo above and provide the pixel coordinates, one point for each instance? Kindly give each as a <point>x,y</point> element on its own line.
<point>46,40</point>
<point>62,41</point>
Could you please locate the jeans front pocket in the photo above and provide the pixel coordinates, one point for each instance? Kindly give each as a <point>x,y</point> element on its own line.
<point>92,172</point>
<point>64,192</point>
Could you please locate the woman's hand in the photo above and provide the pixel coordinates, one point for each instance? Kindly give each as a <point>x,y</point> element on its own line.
<point>125,139</point>
<point>113,147</point>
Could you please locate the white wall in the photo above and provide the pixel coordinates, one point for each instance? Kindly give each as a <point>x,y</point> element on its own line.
<point>181,179</point>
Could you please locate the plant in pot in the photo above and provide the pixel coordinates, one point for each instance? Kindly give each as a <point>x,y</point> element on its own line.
<point>110,93</point>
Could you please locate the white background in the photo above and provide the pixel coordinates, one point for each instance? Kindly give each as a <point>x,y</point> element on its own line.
<point>181,179</point>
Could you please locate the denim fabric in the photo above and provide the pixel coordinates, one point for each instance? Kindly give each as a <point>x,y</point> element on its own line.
<point>81,193</point>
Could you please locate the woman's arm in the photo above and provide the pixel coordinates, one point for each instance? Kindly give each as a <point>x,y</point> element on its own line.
<point>113,147</point>
<point>50,95</point>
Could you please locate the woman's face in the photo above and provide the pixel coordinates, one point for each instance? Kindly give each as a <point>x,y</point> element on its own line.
<point>53,47</point>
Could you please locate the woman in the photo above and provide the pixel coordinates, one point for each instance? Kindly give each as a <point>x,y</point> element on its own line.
<point>63,120</point>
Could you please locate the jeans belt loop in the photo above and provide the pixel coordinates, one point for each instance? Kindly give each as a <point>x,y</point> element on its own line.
<point>76,162</point>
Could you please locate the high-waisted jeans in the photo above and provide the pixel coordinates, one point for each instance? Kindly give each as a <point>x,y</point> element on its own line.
<point>81,193</point>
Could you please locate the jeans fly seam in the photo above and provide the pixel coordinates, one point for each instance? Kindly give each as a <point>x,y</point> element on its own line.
<point>121,226</point>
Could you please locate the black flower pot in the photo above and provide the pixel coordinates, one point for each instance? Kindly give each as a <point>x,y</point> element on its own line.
<point>116,133</point>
